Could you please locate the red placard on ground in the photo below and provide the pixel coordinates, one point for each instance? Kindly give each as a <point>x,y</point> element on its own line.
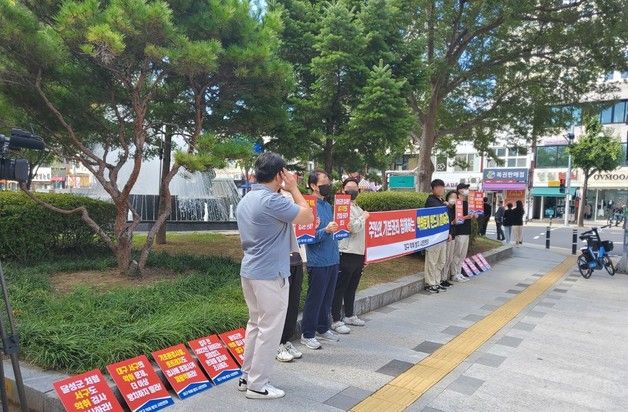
<point>87,392</point>
<point>466,269</point>
<point>307,233</point>
<point>234,339</point>
<point>342,213</point>
<point>182,372</point>
<point>215,359</point>
<point>476,203</point>
<point>483,259</point>
<point>459,211</point>
<point>479,263</point>
<point>472,266</point>
<point>139,385</point>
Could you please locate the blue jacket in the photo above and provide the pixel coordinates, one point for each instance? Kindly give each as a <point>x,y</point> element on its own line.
<point>324,250</point>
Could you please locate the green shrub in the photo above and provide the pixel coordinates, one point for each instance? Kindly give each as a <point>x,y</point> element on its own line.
<point>381,201</point>
<point>31,232</point>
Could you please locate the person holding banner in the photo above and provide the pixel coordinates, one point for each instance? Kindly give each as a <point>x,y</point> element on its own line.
<point>265,221</point>
<point>463,230</point>
<point>436,256</point>
<point>352,251</point>
<point>449,271</point>
<point>322,267</point>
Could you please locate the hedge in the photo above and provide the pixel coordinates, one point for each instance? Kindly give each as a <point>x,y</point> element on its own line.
<point>381,201</point>
<point>31,232</point>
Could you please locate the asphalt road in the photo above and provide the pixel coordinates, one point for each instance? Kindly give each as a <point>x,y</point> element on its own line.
<point>560,237</point>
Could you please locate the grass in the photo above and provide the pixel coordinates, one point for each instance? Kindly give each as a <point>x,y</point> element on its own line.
<point>77,313</point>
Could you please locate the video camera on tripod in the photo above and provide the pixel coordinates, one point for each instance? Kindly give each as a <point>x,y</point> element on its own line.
<point>17,169</point>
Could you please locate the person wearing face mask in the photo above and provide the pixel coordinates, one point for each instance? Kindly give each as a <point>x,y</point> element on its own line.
<point>435,256</point>
<point>322,267</point>
<point>449,271</point>
<point>463,230</point>
<point>351,263</point>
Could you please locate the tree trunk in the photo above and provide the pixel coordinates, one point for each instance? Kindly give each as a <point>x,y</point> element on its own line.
<point>585,187</point>
<point>329,155</point>
<point>425,166</point>
<point>165,168</point>
<point>123,256</point>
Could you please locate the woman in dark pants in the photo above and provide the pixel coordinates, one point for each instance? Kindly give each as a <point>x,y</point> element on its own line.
<point>351,264</point>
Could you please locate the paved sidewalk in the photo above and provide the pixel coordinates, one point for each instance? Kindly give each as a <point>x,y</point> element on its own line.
<point>566,351</point>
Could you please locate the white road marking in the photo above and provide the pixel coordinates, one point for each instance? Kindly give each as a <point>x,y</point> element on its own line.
<point>536,237</point>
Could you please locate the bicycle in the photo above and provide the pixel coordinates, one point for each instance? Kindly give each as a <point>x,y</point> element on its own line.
<point>594,256</point>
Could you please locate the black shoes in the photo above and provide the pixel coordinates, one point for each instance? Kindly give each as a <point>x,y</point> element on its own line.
<point>446,283</point>
<point>432,289</point>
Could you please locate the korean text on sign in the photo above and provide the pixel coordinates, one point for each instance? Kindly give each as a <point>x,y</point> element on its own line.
<point>88,392</point>
<point>307,233</point>
<point>235,343</point>
<point>342,213</point>
<point>182,372</point>
<point>139,385</point>
<point>215,359</point>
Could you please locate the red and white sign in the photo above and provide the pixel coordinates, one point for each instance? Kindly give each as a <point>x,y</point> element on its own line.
<point>479,263</point>
<point>215,359</point>
<point>234,340</point>
<point>476,203</point>
<point>466,269</point>
<point>87,392</point>
<point>472,266</point>
<point>342,212</point>
<point>459,211</point>
<point>181,371</point>
<point>483,259</point>
<point>139,385</point>
<point>307,233</point>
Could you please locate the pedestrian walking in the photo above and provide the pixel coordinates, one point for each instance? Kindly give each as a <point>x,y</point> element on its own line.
<point>499,220</point>
<point>265,221</point>
<point>486,217</point>
<point>351,264</point>
<point>322,267</point>
<point>517,223</point>
<point>509,218</point>
<point>450,271</point>
<point>463,230</point>
<point>435,256</point>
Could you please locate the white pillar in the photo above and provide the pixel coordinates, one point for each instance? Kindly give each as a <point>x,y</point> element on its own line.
<point>542,207</point>
<point>597,192</point>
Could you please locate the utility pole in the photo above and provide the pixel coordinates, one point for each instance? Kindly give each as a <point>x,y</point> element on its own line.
<point>570,138</point>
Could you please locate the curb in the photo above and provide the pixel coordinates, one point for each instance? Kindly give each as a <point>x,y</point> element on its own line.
<point>41,396</point>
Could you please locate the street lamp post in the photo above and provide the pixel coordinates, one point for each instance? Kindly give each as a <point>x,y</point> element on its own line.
<point>570,138</point>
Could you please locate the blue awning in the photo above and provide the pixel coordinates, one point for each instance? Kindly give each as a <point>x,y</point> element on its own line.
<point>551,191</point>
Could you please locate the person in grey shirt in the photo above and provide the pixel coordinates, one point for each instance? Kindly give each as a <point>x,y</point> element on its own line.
<point>265,220</point>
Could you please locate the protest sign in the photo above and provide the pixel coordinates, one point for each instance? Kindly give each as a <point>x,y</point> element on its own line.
<point>342,211</point>
<point>234,340</point>
<point>181,371</point>
<point>87,392</point>
<point>139,385</point>
<point>474,269</point>
<point>307,233</point>
<point>459,211</point>
<point>215,359</point>
<point>400,232</point>
<point>476,203</point>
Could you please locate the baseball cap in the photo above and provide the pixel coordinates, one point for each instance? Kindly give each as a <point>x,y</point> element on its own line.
<point>462,186</point>
<point>437,182</point>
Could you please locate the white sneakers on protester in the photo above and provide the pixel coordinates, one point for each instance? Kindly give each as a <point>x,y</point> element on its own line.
<point>340,327</point>
<point>354,321</point>
<point>311,343</point>
<point>460,278</point>
<point>267,392</point>
<point>329,335</point>
<point>283,355</point>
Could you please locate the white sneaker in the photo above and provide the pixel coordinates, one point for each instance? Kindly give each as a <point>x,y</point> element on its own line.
<point>267,392</point>
<point>283,355</point>
<point>242,385</point>
<point>354,321</point>
<point>311,343</point>
<point>340,327</point>
<point>296,354</point>
<point>460,278</point>
<point>329,335</point>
